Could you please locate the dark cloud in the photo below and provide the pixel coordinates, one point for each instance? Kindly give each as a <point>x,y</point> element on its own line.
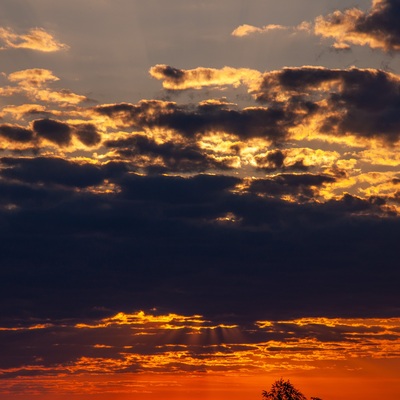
<point>164,241</point>
<point>46,170</point>
<point>362,102</point>
<point>271,122</point>
<point>183,157</point>
<point>176,75</point>
<point>377,28</point>
<point>54,131</point>
<point>177,190</point>
<point>275,161</point>
<point>87,134</point>
<point>16,133</point>
<point>276,158</point>
<point>303,185</point>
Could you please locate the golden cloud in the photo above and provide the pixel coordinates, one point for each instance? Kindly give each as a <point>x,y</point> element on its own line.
<point>36,39</point>
<point>376,28</point>
<point>246,30</point>
<point>179,79</point>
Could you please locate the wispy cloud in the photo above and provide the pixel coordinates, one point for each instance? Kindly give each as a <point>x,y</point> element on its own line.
<point>247,30</point>
<point>144,342</point>
<point>35,39</point>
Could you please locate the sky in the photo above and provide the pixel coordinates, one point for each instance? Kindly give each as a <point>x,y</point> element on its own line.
<point>198,198</point>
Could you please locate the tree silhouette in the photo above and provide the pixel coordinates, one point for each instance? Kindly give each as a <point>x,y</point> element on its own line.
<point>284,390</point>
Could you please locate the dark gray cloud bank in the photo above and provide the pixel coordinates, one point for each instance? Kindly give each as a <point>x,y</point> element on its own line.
<point>192,245</point>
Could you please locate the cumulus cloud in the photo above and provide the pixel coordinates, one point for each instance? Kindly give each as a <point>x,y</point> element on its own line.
<point>377,28</point>
<point>271,123</point>
<point>35,39</point>
<point>179,79</point>
<point>50,170</point>
<point>87,134</point>
<point>52,130</point>
<point>16,133</point>
<point>168,156</point>
<point>361,102</point>
<point>354,101</point>
<point>303,186</point>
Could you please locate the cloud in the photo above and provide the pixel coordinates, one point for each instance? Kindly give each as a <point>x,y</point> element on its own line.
<point>165,157</point>
<point>36,39</point>
<point>360,102</point>
<point>125,342</point>
<point>274,160</point>
<point>36,77</point>
<point>49,131</point>
<point>354,101</point>
<point>33,84</point>
<point>134,224</point>
<point>270,123</point>
<point>16,133</point>
<point>87,134</point>
<point>247,30</point>
<point>377,28</point>
<point>53,131</point>
<point>25,110</point>
<point>179,79</point>
<point>57,171</point>
<point>304,186</point>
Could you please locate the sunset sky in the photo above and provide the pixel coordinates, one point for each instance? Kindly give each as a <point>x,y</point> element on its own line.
<point>198,198</point>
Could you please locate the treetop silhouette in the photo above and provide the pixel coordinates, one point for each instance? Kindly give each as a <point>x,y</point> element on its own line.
<point>284,390</point>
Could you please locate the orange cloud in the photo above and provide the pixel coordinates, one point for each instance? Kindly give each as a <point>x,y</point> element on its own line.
<point>19,112</point>
<point>179,79</point>
<point>142,342</point>
<point>247,30</point>
<point>33,84</point>
<point>36,39</point>
<point>36,77</point>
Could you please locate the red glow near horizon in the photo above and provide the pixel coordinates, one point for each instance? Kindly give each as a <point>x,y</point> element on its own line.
<point>175,357</point>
